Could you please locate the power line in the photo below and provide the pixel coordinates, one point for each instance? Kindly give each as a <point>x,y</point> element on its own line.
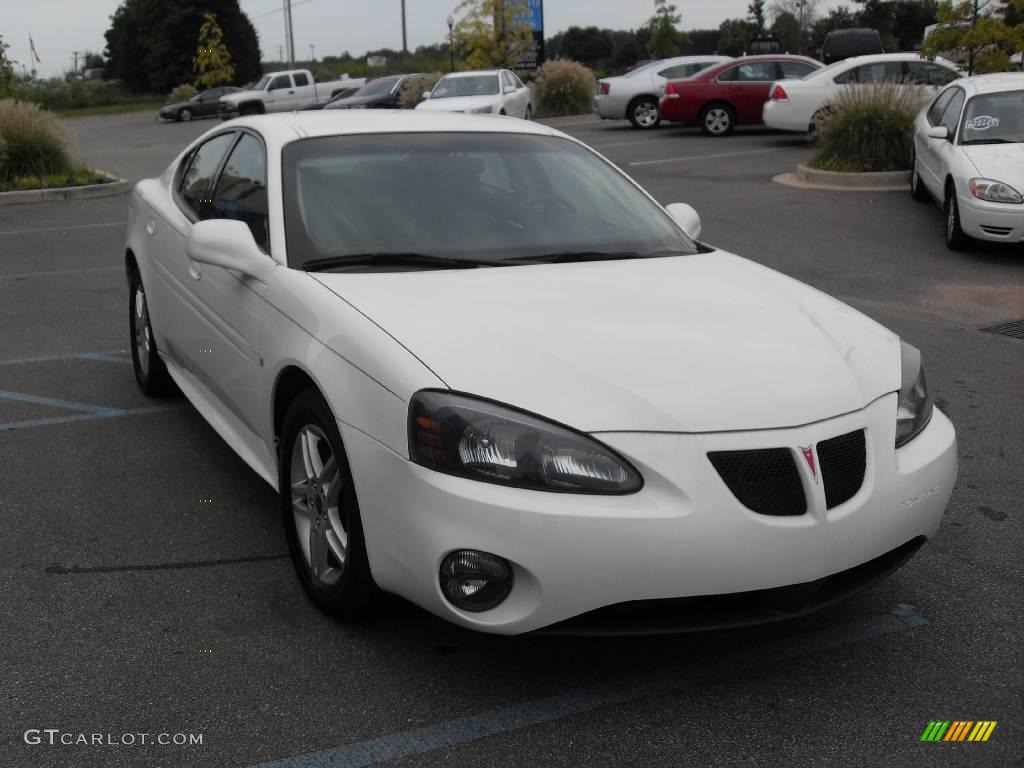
<point>279,10</point>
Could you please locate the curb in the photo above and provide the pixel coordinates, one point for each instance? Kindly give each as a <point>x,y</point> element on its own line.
<point>116,186</point>
<point>873,182</point>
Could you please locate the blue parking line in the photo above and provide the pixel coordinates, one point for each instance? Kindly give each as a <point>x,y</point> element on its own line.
<point>103,357</point>
<point>466,729</point>
<point>99,410</point>
<point>110,413</point>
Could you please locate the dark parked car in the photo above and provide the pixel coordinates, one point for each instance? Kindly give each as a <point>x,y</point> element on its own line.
<point>344,93</point>
<point>382,93</point>
<point>203,104</point>
<point>846,43</point>
<point>763,46</point>
<point>730,94</point>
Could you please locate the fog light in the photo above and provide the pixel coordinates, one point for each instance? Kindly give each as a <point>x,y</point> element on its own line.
<point>475,581</point>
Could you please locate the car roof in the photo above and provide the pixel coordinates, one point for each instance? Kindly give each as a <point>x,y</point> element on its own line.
<point>474,72</point>
<point>876,58</point>
<point>994,83</point>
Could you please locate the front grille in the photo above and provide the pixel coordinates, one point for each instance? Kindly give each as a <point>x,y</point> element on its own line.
<point>765,481</point>
<point>843,461</point>
<point>997,231</point>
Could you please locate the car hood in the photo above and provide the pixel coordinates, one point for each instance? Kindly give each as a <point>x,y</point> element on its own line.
<point>176,105</point>
<point>237,96</point>
<point>1002,162</point>
<point>701,343</point>
<point>457,103</point>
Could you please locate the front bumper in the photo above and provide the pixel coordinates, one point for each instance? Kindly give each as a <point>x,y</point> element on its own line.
<point>683,535</point>
<point>227,111</point>
<point>996,222</point>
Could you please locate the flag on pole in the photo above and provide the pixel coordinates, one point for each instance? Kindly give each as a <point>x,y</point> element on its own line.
<point>32,46</point>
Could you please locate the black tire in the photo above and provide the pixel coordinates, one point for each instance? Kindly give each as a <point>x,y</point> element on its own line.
<point>717,120</point>
<point>917,189</point>
<point>529,112</point>
<point>502,113</point>
<point>150,372</point>
<point>350,590</point>
<point>643,113</point>
<point>185,115</point>
<point>249,109</point>
<point>956,240</point>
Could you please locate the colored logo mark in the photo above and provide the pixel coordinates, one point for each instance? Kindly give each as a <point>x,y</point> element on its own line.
<point>959,730</point>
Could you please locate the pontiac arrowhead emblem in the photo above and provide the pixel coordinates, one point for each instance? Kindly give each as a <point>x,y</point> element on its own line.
<point>808,453</point>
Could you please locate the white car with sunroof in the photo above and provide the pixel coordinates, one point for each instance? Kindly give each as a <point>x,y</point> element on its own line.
<point>969,156</point>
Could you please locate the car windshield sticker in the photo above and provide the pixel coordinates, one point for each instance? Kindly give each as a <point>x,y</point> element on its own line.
<point>983,123</point>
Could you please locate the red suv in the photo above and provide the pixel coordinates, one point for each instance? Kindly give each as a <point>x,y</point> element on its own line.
<point>730,94</point>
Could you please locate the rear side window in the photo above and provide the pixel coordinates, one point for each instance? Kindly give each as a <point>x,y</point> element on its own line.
<point>196,188</point>
<point>242,188</point>
<point>794,69</point>
<point>926,73</point>
<point>679,71</point>
<point>301,78</point>
<point>756,72</point>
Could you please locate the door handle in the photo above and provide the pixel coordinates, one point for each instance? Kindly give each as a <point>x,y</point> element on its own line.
<point>291,91</point>
<point>150,226</point>
<point>195,270</point>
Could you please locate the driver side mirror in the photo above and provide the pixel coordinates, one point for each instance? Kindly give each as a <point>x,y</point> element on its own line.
<point>938,132</point>
<point>508,89</point>
<point>686,217</point>
<point>228,244</point>
<point>425,96</point>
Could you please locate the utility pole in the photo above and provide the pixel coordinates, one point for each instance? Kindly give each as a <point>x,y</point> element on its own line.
<point>75,54</point>
<point>280,52</point>
<point>289,33</point>
<point>405,44</point>
<point>312,55</point>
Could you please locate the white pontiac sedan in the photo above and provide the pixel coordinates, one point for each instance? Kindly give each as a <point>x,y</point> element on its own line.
<point>480,92</point>
<point>797,105</point>
<point>486,371</point>
<point>969,156</point>
<point>635,96</point>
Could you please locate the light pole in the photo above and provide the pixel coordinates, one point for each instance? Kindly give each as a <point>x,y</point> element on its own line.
<point>451,43</point>
<point>800,44</point>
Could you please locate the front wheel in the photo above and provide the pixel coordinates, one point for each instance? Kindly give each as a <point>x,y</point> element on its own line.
<point>644,114</point>
<point>717,120</point>
<point>320,511</point>
<point>956,240</point>
<point>185,115</point>
<point>150,372</point>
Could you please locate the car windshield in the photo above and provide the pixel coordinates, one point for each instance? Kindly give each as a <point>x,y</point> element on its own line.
<point>471,85</point>
<point>490,198</point>
<point>261,83</point>
<point>994,118</point>
<point>378,87</point>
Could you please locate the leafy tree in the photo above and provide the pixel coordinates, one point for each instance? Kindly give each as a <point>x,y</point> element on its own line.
<point>6,69</point>
<point>704,41</point>
<point>755,12</point>
<point>909,19</point>
<point>493,33</point>
<point>734,36</point>
<point>978,30</point>
<point>665,40</point>
<point>93,60</point>
<point>786,27</point>
<point>801,10</point>
<point>150,43</point>
<point>839,18</point>
<point>590,46</point>
<point>212,62</point>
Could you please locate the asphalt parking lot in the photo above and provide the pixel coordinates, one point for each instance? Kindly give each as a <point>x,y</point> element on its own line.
<point>145,586</point>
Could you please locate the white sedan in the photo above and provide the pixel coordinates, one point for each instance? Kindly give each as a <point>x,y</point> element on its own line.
<point>480,92</point>
<point>486,371</point>
<point>635,96</point>
<point>969,156</point>
<point>797,105</point>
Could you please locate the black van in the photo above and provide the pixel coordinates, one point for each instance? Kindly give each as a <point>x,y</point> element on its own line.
<point>845,43</point>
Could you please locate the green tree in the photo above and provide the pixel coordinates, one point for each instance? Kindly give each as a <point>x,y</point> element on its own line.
<point>590,46</point>
<point>786,27</point>
<point>150,43</point>
<point>493,33</point>
<point>755,12</point>
<point>977,29</point>
<point>212,62</point>
<point>6,69</point>
<point>734,36</point>
<point>665,40</point>
<point>839,18</point>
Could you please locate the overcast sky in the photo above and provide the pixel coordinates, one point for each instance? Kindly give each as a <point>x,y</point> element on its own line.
<point>59,27</point>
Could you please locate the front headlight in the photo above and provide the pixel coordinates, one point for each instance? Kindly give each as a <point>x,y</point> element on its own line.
<point>480,110</point>
<point>482,440</point>
<point>915,405</point>
<point>995,191</point>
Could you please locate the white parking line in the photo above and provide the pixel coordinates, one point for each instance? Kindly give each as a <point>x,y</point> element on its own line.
<point>708,157</point>
<point>60,229</point>
<point>60,272</point>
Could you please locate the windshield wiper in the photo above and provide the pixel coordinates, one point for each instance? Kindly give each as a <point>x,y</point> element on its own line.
<point>989,141</point>
<point>390,259</point>
<point>568,257</point>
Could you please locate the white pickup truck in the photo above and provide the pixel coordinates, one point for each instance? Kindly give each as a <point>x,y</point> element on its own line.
<point>285,91</point>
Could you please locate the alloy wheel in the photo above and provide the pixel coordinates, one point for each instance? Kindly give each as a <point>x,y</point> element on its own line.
<point>717,120</point>
<point>316,486</point>
<point>143,333</point>
<point>646,114</point>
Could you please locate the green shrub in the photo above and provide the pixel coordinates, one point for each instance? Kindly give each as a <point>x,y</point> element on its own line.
<point>563,88</point>
<point>70,94</point>
<point>34,142</point>
<point>413,90</point>
<point>182,92</point>
<point>869,128</point>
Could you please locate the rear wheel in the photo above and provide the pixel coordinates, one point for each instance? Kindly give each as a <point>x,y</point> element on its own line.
<point>917,190</point>
<point>643,113</point>
<point>320,511</point>
<point>956,240</point>
<point>717,120</point>
<point>185,115</point>
<point>150,372</point>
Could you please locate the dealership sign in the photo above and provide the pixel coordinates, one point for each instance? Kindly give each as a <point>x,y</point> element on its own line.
<point>530,14</point>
